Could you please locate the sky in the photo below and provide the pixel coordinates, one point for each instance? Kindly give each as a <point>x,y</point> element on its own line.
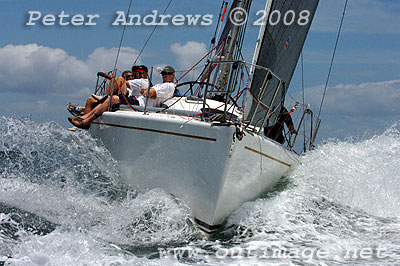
<point>44,64</point>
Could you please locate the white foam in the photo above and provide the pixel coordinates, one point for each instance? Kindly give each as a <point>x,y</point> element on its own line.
<point>63,189</point>
<point>344,195</point>
<point>331,202</point>
<point>65,246</point>
<point>360,174</point>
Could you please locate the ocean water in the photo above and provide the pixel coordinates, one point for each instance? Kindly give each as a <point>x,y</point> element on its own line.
<point>61,203</point>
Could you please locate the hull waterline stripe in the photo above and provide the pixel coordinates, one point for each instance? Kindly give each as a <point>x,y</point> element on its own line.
<point>156,131</point>
<point>206,227</point>
<point>266,155</point>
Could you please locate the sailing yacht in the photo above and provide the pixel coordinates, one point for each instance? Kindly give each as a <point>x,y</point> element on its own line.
<point>204,147</point>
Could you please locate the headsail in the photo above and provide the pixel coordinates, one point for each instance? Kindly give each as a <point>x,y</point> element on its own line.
<point>288,23</point>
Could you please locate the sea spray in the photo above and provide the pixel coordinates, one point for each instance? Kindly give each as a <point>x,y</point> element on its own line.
<point>360,174</point>
<point>342,200</point>
<point>70,181</point>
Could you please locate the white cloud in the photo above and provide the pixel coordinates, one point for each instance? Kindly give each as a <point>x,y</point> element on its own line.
<point>379,99</point>
<point>36,69</point>
<point>353,110</point>
<point>189,53</point>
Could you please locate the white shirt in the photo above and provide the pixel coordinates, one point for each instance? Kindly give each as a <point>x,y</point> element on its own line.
<point>135,85</point>
<point>164,92</point>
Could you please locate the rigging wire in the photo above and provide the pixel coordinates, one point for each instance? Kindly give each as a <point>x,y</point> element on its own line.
<point>303,98</point>
<point>152,32</point>
<point>117,57</point>
<point>217,28</point>
<point>120,42</point>
<point>333,57</point>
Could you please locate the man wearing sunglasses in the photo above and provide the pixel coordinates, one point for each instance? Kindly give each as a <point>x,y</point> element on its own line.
<point>161,92</point>
<point>139,81</point>
<point>156,95</point>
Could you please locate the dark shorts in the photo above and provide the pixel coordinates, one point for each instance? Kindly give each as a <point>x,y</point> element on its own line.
<point>131,100</point>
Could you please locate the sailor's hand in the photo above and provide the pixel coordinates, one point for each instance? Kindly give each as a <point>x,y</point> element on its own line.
<point>292,130</point>
<point>145,91</point>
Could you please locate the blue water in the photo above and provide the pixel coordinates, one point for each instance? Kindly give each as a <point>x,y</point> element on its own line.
<point>62,203</point>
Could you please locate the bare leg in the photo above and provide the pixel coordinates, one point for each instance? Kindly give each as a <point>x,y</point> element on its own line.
<point>99,110</point>
<point>89,105</point>
<point>116,85</point>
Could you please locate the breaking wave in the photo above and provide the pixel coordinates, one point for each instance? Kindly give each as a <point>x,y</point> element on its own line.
<point>62,203</point>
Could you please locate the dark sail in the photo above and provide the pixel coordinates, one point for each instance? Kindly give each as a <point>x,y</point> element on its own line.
<point>280,49</point>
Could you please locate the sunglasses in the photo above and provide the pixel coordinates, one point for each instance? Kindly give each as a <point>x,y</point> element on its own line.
<point>129,76</point>
<point>167,73</point>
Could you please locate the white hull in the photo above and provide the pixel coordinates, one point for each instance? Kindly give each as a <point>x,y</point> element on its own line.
<point>200,163</point>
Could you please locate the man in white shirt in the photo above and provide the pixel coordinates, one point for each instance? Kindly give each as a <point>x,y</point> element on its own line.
<point>132,88</point>
<point>140,80</point>
<point>156,96</point>
<point>161,92</point>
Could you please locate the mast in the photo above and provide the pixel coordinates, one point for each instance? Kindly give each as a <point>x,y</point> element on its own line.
<point>230,44</point>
